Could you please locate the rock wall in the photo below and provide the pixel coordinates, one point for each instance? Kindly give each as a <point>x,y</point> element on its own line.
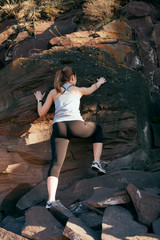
<point>122,106</point>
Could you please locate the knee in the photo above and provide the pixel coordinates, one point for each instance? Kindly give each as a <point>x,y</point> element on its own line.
<point>54,170</point>
<point>98,136</point>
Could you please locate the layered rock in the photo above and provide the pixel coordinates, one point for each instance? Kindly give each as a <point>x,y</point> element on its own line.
<point>122,106</point>
<point>25,139</point>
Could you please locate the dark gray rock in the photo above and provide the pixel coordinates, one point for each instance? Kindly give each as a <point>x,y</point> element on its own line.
<point>138,9</point>
<point>118,223</point>
<point>147,205</point>
<point>156,226</point>
<point>83,189</point>
<point>60,212</point>
<point>103,197</point>
<point>156,134</point>
<point>33,197</point>
<point>92,220</point>
<point>7,235</point>
<point>12,224</point>
<point>147,236</point>
<point>75,229</point>
<point>40,225</point>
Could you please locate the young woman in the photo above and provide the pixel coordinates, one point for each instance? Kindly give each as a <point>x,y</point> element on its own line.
<point>68,123</point>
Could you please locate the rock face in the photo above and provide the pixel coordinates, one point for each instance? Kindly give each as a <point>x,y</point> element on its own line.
<point>25,139</point>
<point>122,52</point>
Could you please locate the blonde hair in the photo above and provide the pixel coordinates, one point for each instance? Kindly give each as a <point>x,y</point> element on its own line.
<point>62,76</point>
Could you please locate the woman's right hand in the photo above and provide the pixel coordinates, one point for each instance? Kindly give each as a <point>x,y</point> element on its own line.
<point>38,95</point>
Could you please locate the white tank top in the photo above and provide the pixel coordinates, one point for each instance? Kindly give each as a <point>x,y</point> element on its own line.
<point>67,106</point>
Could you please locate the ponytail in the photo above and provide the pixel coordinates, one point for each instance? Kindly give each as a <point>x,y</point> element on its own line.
<point>57,81</point>
<point>62,76</point>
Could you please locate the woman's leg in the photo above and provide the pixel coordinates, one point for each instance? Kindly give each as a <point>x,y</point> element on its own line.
<point>97,151</point>
<point>52,184</point>
<point>59,149</point>
<point>89,129</point>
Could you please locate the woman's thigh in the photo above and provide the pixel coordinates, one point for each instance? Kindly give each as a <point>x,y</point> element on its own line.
<point>81,129</point>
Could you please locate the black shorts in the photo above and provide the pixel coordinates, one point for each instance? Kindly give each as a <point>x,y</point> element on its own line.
<point>63,132</point>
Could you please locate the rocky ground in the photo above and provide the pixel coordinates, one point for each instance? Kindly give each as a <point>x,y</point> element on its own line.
<point>126,52</point>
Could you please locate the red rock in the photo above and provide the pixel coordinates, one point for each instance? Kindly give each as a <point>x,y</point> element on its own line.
<point>84,189</point>
<point>75,229</point>
<point>6,235</point>
<point>146,204</point>
<point>60,212</point>
<point>118,223</point>
<point>21,36</point>
<point>147,236</point>
<point>103,197</point>
<point>40,225</point>
<point>138,9</point>
<point>5,34</point>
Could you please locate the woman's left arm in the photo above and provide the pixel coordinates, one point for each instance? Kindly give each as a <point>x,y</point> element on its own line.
<point>43,109</point>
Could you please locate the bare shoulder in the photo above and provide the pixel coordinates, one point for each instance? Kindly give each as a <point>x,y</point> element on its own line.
<point>76,90</point>
<point>53,93</point>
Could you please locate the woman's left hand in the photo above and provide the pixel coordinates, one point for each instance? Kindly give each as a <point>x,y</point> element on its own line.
<point>101,80</point>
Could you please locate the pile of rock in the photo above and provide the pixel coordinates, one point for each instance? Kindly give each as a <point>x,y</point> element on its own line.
<point>108,214</point>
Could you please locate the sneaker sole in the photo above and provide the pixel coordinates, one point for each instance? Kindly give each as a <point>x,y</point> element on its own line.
<point>98,170</point>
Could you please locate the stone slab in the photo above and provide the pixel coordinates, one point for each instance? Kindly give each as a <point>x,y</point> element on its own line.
<point>147,205</point>
<point>7,235</point>
<point>103,197</point>
<point>76,230</point>
<point>118,223</point>
<point>156,226</point>
<point>40,225</point>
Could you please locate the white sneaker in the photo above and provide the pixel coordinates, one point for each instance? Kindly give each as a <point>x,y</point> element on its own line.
<point>55,203</point>
<point>96,166</point>
<point>49,203</point>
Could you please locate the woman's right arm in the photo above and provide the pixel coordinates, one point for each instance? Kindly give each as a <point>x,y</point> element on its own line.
<point>43,109</point>
<point>93,87</point>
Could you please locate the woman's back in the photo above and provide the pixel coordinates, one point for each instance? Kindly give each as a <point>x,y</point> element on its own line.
<point>67,106</point>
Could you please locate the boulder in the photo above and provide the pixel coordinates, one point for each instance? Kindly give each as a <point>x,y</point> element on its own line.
<point>5,235</point>
<point>156,77</point>
<point>60,212</point>
<point>83,189</point>
<point>148,236</point>
<point>13,224</point>
<point>107,39</point>
<point>148,54</point>
<point>40,225</point>
<point>114,224</point>
<point>138,9</point>
<point>104,197</point>
<point>143,28</point>
<point>147,205</point>
<point>32,40</point>
<point>155,35</point>
<point>92,220</point>
<point>33,197</point>
<point>155,226</point>
<point>156,134</point>
<point>76,229</point>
